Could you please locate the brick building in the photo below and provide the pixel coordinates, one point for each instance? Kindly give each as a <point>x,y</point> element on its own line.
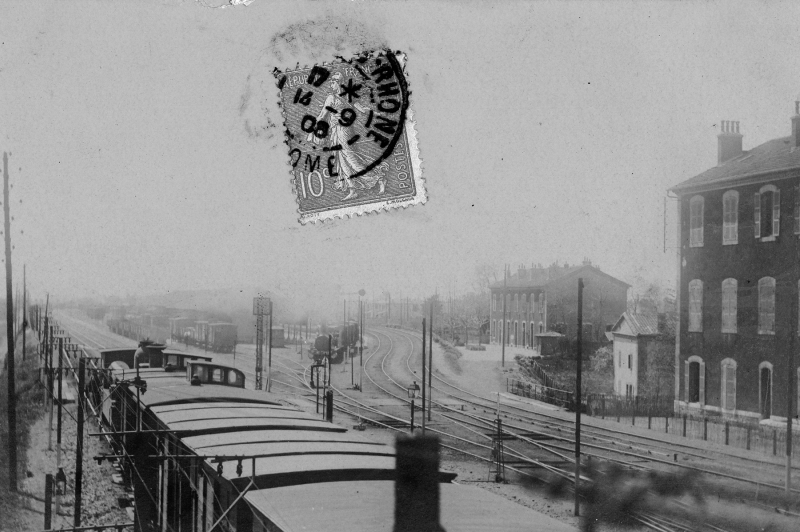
<point>738,272</point>
<point>545,299</point>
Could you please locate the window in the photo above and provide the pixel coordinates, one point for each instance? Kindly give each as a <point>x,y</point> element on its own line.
<point>730,217</point>
<point>767,212</point>
<point>541,303</point>
<point>619,359</point>
<point>630,361</point>
<point>494,302</point>
<point>728,384</point>
<point>765,389</point>
<point>695,380</point>
<point>696,221</point>
<point>234,378</point>
<point>729,306</point>
<point>494,329</point>
<point>516,302</point>
<point>766,305</point>
<point>696,306</point>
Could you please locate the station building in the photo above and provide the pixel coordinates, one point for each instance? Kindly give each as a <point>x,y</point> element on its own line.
<point>542,304</point>
<point>738,275</point>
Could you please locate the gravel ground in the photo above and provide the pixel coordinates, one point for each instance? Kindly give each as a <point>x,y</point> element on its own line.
<point>100,494</point>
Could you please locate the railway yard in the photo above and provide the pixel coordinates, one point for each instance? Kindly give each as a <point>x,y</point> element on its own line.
<point>532,462</point>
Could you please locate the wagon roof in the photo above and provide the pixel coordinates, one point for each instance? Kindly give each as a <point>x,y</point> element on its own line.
<point>180,391</point>
<point>369,506</point>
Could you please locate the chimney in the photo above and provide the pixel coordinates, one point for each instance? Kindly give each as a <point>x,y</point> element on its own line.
<point>522,275</point>
<point>729,141</point>
<point>796,125</point>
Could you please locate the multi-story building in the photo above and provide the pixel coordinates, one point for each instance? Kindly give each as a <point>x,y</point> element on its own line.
<point>738,273</point>
<point>540,300</point>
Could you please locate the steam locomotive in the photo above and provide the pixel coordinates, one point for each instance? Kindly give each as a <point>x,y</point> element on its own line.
<point>336,341</point>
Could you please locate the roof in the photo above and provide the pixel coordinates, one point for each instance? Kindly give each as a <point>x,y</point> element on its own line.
<point>777,155</point>
<point>369,506</point>
<point>632,324</point>
<point>543,277</point>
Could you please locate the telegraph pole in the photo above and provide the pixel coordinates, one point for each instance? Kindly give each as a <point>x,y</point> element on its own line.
<point>269,352</point>
<point>505,284</point>
<point>79,447</point>
<point>578,397</point>
<point>24,309</point>
<point>12,395</point>
<point>423,379</point>
<point>361,346</point>
<point>792,374</point>
<point>430,366</point>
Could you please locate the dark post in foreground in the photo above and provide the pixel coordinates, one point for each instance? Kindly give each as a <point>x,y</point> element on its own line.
<point>416,485</point>
<point>578,364</point>
<point>48,500</point>
<point>329,406</point>
<point>79,446</point>
<point>12,394</point>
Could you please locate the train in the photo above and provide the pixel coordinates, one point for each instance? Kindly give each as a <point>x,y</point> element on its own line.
<point>219,337</point>
<point>336,342</point>
<point>203,453</point>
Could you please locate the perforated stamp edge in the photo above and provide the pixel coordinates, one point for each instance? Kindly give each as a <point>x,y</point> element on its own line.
<point>420,196</point>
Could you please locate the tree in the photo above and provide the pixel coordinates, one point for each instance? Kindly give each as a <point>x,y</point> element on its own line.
<point>659,373</point>
<point>485,274</point>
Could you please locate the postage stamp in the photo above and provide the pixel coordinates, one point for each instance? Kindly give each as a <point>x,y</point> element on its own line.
<point>350,132</point>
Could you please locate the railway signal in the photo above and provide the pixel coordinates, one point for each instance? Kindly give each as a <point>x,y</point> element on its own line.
<point>413,391</point>
<point>261,306</point>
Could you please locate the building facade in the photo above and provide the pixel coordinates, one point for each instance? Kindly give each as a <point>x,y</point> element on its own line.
<point>738,274</point>
<point>542,300</point>
<point>636,342</point>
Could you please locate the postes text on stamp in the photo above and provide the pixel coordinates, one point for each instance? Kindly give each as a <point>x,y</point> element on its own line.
<point>351,137</point>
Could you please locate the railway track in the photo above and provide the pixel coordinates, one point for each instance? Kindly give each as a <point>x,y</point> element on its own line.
<point>629,448</point>
<point>537,438</point>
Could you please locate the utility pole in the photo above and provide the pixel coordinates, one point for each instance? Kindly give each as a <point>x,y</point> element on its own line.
<point>24,308</point>
<point>505,284</point>
<point>792,373</point>
<point>578,398</point>
<point>361,346</point>
<point>423,382</point>
<point>58,421</point>
<point>430,367</point>
<point>269,352</point>
<point>79,447</point>
<point>12,394</point>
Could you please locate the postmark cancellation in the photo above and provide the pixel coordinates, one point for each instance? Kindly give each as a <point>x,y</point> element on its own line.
<point>351,138</point>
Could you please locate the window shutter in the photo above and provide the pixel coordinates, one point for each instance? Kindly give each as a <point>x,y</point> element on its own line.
<point>686,382</point>
<point>776,212</point>
<point>702,383</point>
<point>757,213</point>
<point>797,209</point>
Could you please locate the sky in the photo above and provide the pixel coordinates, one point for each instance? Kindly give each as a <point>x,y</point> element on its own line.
<point>146,151</point>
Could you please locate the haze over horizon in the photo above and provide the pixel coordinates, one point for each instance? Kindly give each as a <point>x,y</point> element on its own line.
<point>146,141</point>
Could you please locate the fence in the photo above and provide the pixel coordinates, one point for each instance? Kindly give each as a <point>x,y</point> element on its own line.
<point>750,436</point>
<point>602,405</point>
<point>540,392</point>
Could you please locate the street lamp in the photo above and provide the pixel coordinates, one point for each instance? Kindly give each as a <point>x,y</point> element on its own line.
<point>413,392</point>
<point>61,482</point>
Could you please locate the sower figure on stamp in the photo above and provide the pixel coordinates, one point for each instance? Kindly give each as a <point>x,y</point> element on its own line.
<point>349,160</point>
